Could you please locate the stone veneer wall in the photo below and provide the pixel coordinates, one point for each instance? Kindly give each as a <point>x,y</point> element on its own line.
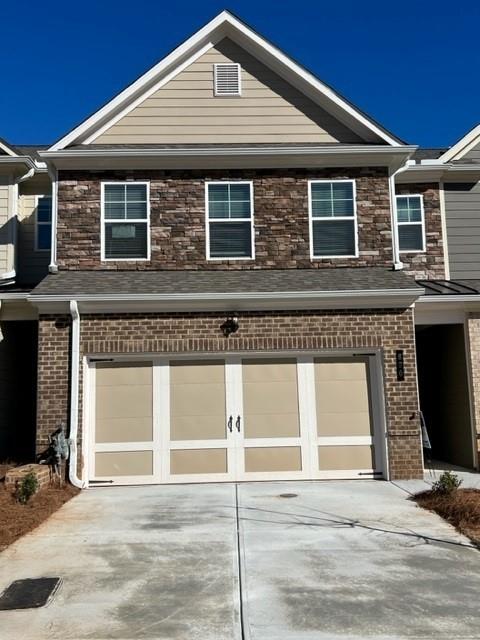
<point>262,331</point>
<point>177,201</point>
<point>473,329</point>
<point>431,264</point>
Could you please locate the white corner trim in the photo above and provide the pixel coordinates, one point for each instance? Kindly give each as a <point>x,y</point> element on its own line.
<point>460,148</point>
<point>223,24</point>
<point>443,219</point>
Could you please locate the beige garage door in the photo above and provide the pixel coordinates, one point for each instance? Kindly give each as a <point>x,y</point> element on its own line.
<point>123,436</point>
<point>344,429</point>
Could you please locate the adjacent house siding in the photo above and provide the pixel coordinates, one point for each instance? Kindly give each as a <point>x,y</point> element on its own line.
<point>462,204</point>
<point>185,110</point>
<point>32,264</point>
<point>6,226</point>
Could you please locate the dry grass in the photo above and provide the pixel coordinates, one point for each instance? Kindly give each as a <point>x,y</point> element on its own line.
<point>18,519</point>
<point>461,508</point>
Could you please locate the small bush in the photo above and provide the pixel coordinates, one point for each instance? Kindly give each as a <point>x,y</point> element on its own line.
<point>447,483</point>
<point>27,488</point>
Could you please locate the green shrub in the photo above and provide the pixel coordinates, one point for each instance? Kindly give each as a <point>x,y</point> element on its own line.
<point>27,488</point>
<point>447,483</point>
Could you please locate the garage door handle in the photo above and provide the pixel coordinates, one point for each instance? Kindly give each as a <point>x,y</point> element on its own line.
<point>230,424</point>
<point>237,424</point>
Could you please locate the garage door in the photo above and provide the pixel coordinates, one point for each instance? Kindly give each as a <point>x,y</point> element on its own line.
<point>233,418</point>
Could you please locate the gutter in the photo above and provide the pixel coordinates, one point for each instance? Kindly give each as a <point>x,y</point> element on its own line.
<point>255,295</point>
<point>74,379</point>
<point>225,151</point>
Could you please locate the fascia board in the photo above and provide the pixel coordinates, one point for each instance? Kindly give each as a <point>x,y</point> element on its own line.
<point>462,146</point>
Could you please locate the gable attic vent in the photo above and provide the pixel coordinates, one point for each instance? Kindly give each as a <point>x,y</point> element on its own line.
<point>227,79</point>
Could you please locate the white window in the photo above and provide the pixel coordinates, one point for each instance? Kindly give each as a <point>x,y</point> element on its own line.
<point>333,220</point>
<point>43,223</point>
<point>229,224</point>
<point>411,223</point>
<point>125,221</point>
<point>227,79</point>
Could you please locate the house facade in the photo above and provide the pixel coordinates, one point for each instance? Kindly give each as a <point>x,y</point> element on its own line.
<point>230,273</point>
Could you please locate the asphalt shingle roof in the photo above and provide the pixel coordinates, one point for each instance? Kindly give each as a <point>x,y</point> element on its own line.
<point>98,283</point>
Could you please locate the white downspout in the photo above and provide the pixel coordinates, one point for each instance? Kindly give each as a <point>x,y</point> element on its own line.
<point>75,364</point>
<point>53,173</point>
<point>397,263</point>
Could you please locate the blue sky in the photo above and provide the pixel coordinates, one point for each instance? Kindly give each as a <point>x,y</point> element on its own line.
<point>413,66</point>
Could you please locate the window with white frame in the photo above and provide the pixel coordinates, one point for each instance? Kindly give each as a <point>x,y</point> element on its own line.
<point>229,220</point>
<point>227,79</point>
<point>125,213</point>
<point>333,225</point>
<point>410,220</point>
<point>43,228</point>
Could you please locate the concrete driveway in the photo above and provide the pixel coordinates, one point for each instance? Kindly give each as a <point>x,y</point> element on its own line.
<point>346,560</point>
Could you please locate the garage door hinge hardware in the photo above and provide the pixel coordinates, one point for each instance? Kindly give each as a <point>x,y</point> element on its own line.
<point>363,355</point>
<point>370,473</point>
<point>101,360</point>
<point>101,481</point>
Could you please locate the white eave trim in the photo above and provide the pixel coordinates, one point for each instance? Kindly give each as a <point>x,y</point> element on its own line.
<point>225,24</point>
<point>22,160</point>
<point>471,139</point>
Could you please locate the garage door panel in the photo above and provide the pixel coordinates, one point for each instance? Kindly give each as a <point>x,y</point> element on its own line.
<point>124,430</point>
<point>124,401</point>
<point>198,461</point>
<point>344,424</point>
<point>198,399</point>
<point>269,370</point>
<point>271,459</point>
<point>346,457</point>
<point>207,427</point>
<point>123,463</point>
<point>123,373</point>
<point>342,369</point>
<point>197,371</point>
<point>272,426</point>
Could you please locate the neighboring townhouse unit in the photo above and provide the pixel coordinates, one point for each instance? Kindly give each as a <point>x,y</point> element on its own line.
<point>232,292</point>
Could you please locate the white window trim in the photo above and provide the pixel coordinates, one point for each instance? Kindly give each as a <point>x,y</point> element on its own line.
<point>226,220</point>
<point>227,95</point>
<point>350,218</point>
<point>143,220</point>
<point>422,222</point>
<point>38,223</point>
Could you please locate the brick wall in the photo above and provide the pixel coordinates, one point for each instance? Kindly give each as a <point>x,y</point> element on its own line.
<point>473,329</point>
<point>177,200</point>
<point>431,264</point>
<point>262,331</point>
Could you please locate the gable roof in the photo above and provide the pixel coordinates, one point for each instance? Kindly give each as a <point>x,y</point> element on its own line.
<point>463,146</point>
<point>227,25</point>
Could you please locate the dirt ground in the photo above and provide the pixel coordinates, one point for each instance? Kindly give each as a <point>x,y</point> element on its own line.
<point>461,508</point>
<point>18,519</point>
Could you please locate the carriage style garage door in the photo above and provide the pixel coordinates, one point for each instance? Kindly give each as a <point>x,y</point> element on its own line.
<point>234,418</point>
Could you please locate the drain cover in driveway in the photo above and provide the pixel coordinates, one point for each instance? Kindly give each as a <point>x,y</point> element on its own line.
<point>28,594</point>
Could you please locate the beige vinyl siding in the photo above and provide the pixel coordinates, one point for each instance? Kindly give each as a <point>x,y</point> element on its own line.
<point>185,110</point>
<point>7,258</point>
<point>32,265</point>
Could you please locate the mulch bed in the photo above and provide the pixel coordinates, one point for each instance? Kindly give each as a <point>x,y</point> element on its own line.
<point>461,508</point>
<point>18,519</point>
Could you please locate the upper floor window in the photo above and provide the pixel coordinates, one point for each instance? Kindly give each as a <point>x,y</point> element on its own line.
<point>333,220</point>
<point>229,220</point>
<point>227,79</point>
<point>125,221</point>
<point>410,219</point>
<point>43,226</point>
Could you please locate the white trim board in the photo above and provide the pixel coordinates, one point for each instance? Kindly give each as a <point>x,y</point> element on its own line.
<point>227,25</point>
<point>463,146</point>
